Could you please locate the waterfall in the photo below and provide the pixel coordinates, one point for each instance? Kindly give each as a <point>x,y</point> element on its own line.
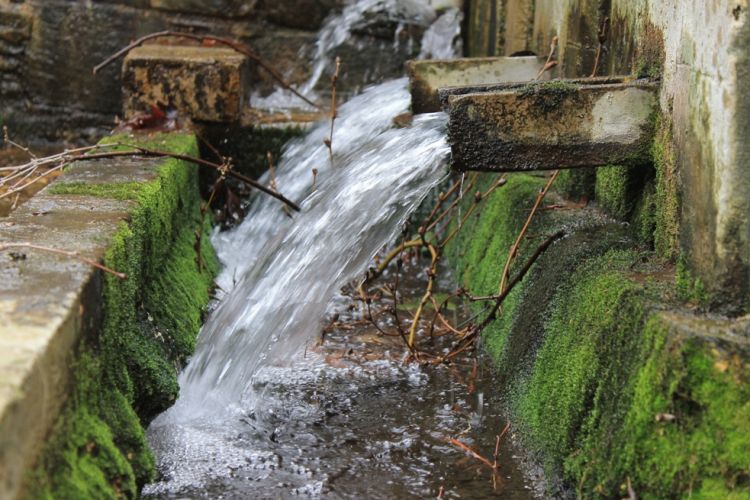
<point>280,273</point>
<point>287,270</point>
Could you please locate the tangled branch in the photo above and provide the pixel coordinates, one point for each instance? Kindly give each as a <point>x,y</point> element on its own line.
<point>21,174</point>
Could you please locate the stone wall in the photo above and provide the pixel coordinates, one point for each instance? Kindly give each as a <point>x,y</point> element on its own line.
<point>613,382</point>
<point>700,51</point>
<point>49,47</point>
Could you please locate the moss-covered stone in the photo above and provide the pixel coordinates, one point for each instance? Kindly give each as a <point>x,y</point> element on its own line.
<point>679,425</point>
<point>618,189</point>
<point>577,183</point>
<point>689,288</point>
<point>604,385</point>
<point>644,216</point>
<point>667,199</point>
<point>482,245</point>
<point>127,374</point>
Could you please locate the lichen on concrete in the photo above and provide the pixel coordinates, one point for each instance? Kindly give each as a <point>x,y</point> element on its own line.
<point>127,374</point>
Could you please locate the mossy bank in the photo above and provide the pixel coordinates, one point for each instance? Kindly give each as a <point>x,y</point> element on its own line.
<point>125,374</point>
<point>615,380</point>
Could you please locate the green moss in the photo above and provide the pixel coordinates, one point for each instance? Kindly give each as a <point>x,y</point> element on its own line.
<point>116,191</point>
<point>688,288</point>
<point>683,429</point>
<point>667,213</point>
<point>644,216</point>
<point>617,395</point>
<point>577,183</point>
<point>569,365</point>
<point>127,374</point>
<point>551,87</point>
<point>605,388</point>
<point>484,243</point>
<point>613,191</point>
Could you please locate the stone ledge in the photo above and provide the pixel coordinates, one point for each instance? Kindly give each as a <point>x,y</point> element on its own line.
<point>52,305</point>
<point>45,307</point>
<point>560,124</point>
<point>426,77</point>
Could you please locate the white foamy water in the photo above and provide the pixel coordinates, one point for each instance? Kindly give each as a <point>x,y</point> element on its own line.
<point>280,274</point>
<point>287,269</point>
<point>442,40</point>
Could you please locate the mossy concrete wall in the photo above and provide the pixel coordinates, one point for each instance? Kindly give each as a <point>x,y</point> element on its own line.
<point>88,359</point>
<point>613,379</point>
<point>700,50</point>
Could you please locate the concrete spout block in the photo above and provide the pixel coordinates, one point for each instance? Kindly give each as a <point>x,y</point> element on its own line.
<point>426,77</point>
<point>202,83</point>
<point>560,124</point>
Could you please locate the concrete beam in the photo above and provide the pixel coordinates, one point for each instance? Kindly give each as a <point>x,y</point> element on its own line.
<point>426,77</point>
<point>202,83</point>
<point>47,304</point>
<point>561,124</point>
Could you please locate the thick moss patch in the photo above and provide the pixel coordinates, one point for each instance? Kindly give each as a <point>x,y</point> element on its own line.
<point>607,388</point>
<point>643,193</point>
<point>127,374</point>
<point>480,250</point>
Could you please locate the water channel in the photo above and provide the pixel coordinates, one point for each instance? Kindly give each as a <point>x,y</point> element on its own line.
<point>266,409</point>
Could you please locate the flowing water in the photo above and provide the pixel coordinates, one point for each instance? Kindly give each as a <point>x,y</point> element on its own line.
<point>441,40</point>
<point>288,270</point>
<point>266,412</point>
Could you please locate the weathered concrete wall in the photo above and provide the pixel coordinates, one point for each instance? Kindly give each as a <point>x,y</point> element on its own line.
<point>87,359</point>
<point>49,47</point>
<point>700,51</point>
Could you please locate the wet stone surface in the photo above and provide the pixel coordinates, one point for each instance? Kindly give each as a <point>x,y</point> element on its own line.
<point>559,124</point>
<point>203,83</point>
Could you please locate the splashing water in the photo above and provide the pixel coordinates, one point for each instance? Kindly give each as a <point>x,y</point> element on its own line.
<point>442,40</point>
<point>289,269</point>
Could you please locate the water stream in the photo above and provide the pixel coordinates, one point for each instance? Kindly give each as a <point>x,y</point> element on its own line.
<point>380,175</point>
<point>264,411</point>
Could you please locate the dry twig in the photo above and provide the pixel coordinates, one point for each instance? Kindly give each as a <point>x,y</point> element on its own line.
<point>603,36</point>
<point>61,160</point>
<point>550,62</point>
<point>334,81</point>
<point>66,253</point>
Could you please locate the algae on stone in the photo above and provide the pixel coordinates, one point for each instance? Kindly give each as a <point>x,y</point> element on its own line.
<point>601,383</point>
<point>127,374</point>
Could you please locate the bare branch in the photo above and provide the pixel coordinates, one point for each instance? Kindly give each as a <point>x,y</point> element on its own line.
<point>66,253</point>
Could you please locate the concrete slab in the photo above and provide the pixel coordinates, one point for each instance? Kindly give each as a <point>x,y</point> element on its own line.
<point>48,303</point>
<point>202,83</point>
<point>561,124</point>
<point>426,77</point>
